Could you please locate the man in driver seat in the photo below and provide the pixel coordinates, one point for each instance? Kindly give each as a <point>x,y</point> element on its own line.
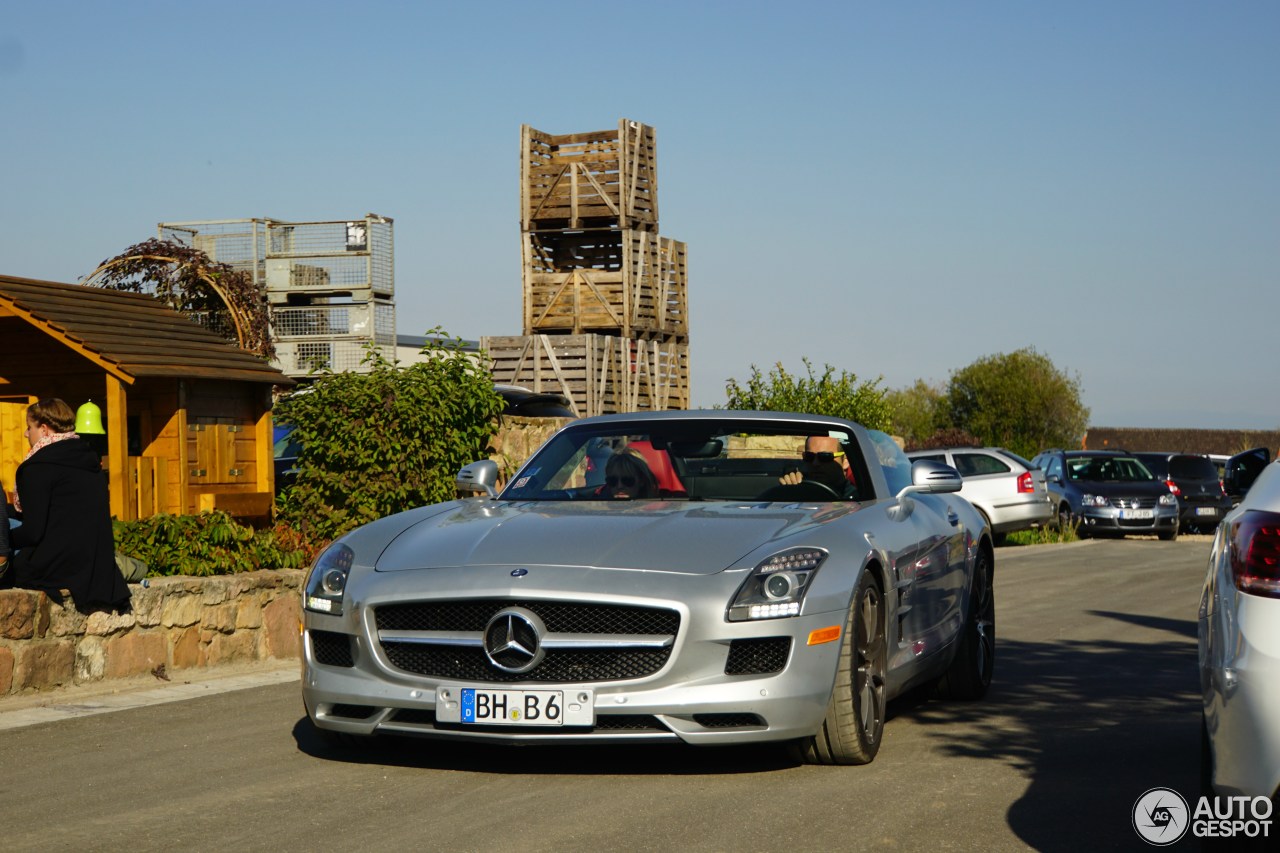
<point>823,462</point>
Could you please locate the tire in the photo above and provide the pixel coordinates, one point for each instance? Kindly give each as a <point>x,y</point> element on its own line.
<point>1168,536</point>
<point>854,725</point>
<point>1065,520</point>
<point>969,675</point>
<point>1206,760</point>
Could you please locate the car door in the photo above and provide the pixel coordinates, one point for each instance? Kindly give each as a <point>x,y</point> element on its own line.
<point>926,546</point>
<point>1055,477</point>
<point>1242,469</point>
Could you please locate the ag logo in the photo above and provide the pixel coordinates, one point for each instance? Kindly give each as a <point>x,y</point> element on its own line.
<point>1161,817</point>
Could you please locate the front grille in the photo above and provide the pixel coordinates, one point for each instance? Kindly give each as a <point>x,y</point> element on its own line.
<point>605,723</point>
<point>467,664</point>
<point>629,723</point>
<point>331,648</point>
<point>560,617</point>
<point>728,721</point>
<point>757,657</point>
<point>1134,503</point>
<point>607,657</point>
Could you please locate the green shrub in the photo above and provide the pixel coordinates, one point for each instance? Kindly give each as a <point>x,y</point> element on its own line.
<point>386,440</point>
<point>1047,534</point>
<point>211,543</point>
<point>840,396</point>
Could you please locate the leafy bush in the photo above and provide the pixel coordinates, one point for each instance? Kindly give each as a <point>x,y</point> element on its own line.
<point>1018,400</point>
<point>950,437</point>
<point>840,396</point>
<point>1045,534</point>
<point>918,411</point>
<point>381,442</point>
<point>210,543</point>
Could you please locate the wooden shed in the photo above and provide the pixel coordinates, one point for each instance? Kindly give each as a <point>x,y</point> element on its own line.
<point>187,414</point>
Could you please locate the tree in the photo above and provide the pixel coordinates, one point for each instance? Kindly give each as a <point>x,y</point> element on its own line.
<point>840,396</point>
<point>377,443</point>
<point>1018,400</point>
<point>216,295</point>
<point>918,411</point>
<point>948,437</point>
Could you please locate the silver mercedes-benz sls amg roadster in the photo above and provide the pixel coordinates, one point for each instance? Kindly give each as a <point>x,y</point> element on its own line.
<point>714,577</point>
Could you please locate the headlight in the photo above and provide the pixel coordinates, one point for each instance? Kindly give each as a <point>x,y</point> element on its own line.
<point>1169,500</point>
<point>328,580</point>
<point>776,587</point>
<point>1094,500</point>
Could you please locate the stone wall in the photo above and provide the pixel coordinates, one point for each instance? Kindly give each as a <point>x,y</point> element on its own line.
<point>183,622</point>
<point>517,438</point>
<point>177,623</point>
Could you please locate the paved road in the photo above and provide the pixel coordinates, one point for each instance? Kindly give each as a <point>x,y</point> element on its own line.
<point>1094,703</point>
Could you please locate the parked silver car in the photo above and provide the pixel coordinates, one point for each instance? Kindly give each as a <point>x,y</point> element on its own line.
<point>1005,488</point>
<point>649,578</point>
<point>1239,630</point>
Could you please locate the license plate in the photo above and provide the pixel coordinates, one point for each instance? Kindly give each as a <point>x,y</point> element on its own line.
<point>1206,510</point>
<point>480,706</point>
<point>1137,513</point>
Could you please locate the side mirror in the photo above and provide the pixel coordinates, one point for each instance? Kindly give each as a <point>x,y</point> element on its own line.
<point>478,477</point>
<point>932,478</point>
<point>1053,478</point>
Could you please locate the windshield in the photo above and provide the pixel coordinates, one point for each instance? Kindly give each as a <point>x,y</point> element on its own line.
<point>1108,469</point>
<point>1192,468</point>
<point>707,461</point>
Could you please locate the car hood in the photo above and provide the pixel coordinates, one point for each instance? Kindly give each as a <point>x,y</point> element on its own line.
<point>658,536</point>
<point>1141,489</point>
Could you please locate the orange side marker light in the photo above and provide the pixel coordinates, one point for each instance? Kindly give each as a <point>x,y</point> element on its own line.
<point>824,635</point>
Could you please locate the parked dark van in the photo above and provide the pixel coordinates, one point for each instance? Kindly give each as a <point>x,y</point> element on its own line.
<point>1193,478</point>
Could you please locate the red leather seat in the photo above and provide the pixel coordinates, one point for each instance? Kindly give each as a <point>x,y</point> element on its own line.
<point>659,463</point>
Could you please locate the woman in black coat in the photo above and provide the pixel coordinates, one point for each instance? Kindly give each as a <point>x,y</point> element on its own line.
<point>65,540</point>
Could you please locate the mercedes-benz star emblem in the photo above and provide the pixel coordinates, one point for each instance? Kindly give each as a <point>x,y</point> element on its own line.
<point>513,639</point>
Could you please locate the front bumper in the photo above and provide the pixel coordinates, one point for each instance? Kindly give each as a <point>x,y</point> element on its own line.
<point>691,698</point>
<point>1116,521</point>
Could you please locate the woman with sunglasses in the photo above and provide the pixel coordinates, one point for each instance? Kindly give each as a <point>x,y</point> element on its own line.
<point>627,477</point>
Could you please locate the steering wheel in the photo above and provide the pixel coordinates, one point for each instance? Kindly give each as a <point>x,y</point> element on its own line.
<point>811,490</point>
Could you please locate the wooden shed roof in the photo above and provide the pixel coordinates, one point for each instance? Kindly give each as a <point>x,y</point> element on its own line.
<point>130,335</point>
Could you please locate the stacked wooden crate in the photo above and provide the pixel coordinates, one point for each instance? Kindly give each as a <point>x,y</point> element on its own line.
<point>606,312</point>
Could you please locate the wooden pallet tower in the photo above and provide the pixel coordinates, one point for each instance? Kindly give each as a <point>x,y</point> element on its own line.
<point>606,311</point>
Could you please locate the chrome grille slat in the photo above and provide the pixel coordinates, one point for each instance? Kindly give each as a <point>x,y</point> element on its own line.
<point>584,642</point>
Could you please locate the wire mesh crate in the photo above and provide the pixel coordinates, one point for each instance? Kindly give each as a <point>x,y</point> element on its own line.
<point>301,358</point>
<point>366,320</point>
<point>239,243</point>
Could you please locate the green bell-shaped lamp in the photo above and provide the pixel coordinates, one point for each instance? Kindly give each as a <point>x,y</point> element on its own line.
<point>89,420</point>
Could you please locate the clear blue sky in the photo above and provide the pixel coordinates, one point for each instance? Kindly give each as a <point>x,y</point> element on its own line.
<point>897,189</point>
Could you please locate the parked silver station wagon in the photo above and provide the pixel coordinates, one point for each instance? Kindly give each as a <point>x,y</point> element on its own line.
<point>1005,488</point>
<point>650,578</point>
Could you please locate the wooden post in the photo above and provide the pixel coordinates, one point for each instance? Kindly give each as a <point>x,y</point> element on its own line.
<point>124,505</point>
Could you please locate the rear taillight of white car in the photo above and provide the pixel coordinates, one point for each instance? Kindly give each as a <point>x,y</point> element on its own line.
<point>1173,487</point>
<point>1255,553</point>
<point>1025,484</point>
